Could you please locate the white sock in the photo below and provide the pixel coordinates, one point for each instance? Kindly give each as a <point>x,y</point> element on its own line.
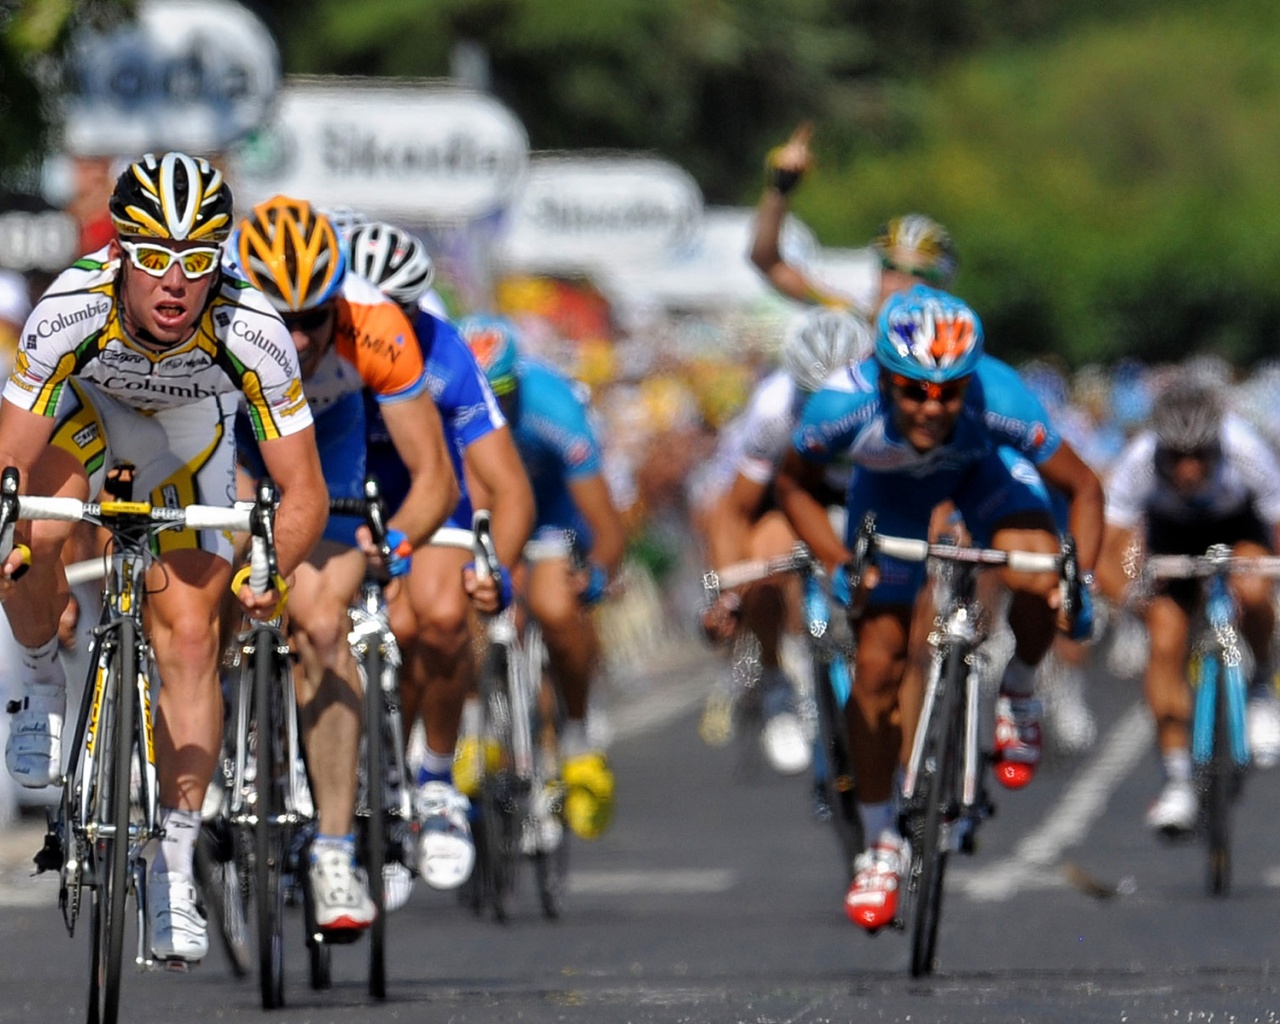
<point>877,818</point>
<point>1177,765</point>
<point>178,846</point>
<point>41,667</point>
<point>573,740</point>
<point>1019,678</point>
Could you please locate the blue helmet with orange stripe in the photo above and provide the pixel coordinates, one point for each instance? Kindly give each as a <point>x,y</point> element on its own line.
<point>928,334</point>
<point>492,340</point>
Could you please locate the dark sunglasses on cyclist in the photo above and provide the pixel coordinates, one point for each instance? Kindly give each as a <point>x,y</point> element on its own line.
<point>156,260</point>
<point>307,320</point>
<point>920,391</point>
<point>1205,453</point>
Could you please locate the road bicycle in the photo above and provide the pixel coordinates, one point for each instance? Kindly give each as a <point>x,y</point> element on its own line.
<point>384,798</point>
<point>944,798</point>
<point>1220,752</point>
<point>268,800</point>
<point>521,812</point>
<point>831,649</point>
<point>109,809</point>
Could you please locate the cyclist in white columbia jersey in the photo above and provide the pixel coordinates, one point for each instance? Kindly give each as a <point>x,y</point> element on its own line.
<point>139,353</point>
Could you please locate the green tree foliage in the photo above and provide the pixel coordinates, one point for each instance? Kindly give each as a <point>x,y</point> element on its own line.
<point>703,82</point>
<point>1113,193</point>
<point>34,35</point>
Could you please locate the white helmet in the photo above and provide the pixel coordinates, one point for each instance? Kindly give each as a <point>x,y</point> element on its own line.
<point>820,341</point>
<point>396,261</point>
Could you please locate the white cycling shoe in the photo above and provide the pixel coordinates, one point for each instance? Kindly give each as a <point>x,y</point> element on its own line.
<point>33,752</point>
<point>179,930</point>
<point>1175,810</point>
<point>446,853</point>
<point>1264,727</point>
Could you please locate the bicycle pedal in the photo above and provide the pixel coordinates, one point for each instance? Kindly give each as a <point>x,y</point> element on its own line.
<point>50,856</point>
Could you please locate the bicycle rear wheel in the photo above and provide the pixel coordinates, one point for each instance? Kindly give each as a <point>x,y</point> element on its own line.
<point>1220,774</point>
<point>375,773</point>
<point>498,824</point>
<point>218,876</point>
<point>936,801</point>
<point>269,841</point>
<point>111,852</point>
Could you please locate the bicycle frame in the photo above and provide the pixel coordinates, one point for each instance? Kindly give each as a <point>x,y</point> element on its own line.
<point>1221,664</point>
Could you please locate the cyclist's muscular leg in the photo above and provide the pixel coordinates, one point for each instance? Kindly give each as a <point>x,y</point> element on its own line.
<point>439,664</point>
<point>327,681</point>
<point>1254,596</point>
<point>765,605</point>
<point>186,595</point>
<point>1033,603</point>
<point>570,635</point>
<point>1168,692</point>
<point>872,717</point>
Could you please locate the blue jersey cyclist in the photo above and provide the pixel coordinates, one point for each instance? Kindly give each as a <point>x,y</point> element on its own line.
<point>558,446</point>
<point>929,419</point>
<point>432,614</point>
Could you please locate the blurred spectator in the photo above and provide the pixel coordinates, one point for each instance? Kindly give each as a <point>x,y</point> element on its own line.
<point>15,307</point>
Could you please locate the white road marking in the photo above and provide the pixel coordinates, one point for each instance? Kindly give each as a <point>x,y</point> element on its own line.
<point>651,883</point>
<point>1033,863</point>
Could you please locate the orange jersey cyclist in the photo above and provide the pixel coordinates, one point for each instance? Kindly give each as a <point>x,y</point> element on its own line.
<point>348,337</point>
<point>140,352</point>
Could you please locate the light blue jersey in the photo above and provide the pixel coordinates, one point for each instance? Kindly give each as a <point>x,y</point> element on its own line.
<point>986,467</point>
<point>557,444</point>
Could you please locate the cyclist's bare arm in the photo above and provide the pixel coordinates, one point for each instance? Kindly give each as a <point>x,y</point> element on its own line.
<point>731,518</point>
<point>416,431</point>
<point>1066,471</point>
<point>1110,574</point>
<point>796,485</point>
<point>293,464</point>
<point>24,437</point>
<point>494,464</point>
<point>591,496</point>
<point>771,212</point>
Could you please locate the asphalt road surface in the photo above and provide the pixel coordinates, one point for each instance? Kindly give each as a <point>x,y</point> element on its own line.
<point>716,897</point>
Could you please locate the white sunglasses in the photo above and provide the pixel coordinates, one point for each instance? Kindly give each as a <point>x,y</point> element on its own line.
<point>157,259</point>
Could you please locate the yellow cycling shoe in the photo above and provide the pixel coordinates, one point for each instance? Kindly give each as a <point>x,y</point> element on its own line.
<point>467,768</point>
<point>588,801</point>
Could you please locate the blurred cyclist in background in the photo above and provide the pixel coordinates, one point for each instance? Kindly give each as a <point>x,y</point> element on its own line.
<point>1198,476</point>
<point>913,249</point>
<point>740,521</point>
<point>348,337</point>
<point>558,446</point>
<point>431,616</point>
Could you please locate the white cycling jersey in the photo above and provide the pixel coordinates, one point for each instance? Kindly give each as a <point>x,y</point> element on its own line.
<point>1247,475</point>
<point>239,344</point>
<point>755,442</point>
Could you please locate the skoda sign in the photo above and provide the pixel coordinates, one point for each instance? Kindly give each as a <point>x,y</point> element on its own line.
<point>580,212</point>
<point>185,75</point>
<point>422,153</point>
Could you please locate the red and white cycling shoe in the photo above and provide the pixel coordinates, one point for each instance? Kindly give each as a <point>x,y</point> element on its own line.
<point>872,899</point>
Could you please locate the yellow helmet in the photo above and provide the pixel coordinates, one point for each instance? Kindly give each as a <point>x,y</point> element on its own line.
<point>175,196</point>
<point>291,253</point>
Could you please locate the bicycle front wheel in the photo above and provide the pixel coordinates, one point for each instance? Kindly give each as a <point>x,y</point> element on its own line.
<point>937,801</point>
<point>269,839</point>
<point>499,844</point>
<point>111,850</point>
<point>1219,776</point>
<point>375,772</point>
<point>837,783</point>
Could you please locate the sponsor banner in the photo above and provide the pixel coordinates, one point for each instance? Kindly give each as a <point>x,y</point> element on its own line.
<point>185,75</point>
<point>417,153</point>
<point>45,240</point>
<point>580,213</point>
